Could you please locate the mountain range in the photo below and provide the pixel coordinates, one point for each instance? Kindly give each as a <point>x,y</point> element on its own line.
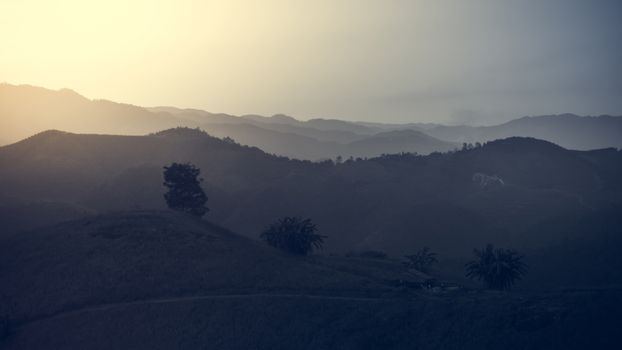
<point>91,257</point>
<point>27,110</point>
<point>518,192</point>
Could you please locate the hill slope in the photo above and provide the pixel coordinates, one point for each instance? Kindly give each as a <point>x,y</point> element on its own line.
<point>159,280</point>
<point>515,192</point>
<point>398,141</point>
<point>567,130</point>
<point>122,257</point>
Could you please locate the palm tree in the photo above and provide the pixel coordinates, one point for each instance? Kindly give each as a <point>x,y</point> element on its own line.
<point>293,235</point>
<point>498,268</point>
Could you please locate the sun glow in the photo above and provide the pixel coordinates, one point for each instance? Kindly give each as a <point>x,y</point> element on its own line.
<point>402,60</point>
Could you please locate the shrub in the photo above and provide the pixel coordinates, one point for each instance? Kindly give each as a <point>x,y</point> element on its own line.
<point>293,235</point>
<point>498,268</point>
<point>421,260</point>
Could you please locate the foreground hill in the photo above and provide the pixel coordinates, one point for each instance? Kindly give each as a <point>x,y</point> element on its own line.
<point>159,280</point>
<point>122,257</point>
<point>517,192</point>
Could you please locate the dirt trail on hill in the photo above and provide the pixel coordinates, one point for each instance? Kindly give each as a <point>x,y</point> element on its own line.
<point>104,307</point>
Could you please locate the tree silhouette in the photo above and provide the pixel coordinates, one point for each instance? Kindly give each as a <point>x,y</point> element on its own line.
<point>498,268</point>
<point>184,189</point>
<point>293,235</point>
<point>422,260</point>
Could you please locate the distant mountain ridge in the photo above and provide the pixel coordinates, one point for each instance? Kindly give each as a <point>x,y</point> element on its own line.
<point>27,110</point>
<point>567,130</point>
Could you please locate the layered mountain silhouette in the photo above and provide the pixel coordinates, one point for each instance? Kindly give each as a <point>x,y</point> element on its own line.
<point>27,110</point>
<point>567,130</point>
<point>92,258</point>
<point>395,203</point>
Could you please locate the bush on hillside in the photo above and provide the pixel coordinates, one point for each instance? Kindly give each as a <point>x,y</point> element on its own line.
<point>293,235</point>
<point>421,260</point>
<point>498,268</point>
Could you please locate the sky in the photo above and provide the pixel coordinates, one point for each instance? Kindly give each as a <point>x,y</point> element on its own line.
<point>464,61</point>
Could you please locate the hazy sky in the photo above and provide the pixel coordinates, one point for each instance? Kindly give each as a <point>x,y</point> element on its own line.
<point>473,61</point>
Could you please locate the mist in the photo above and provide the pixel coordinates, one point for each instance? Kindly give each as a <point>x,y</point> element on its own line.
<point>478,62</point>
<point>340,174</point>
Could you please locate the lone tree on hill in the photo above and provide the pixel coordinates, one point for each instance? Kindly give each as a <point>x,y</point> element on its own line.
<point>498,268</point>
<point>293,235</point>
<point>184,189</point>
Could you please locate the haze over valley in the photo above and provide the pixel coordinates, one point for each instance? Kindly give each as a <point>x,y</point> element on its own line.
<point>314,139</point>
<point>310,174</point>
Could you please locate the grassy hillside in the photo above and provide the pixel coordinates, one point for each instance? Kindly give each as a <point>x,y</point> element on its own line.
<point>160,280</point>
<point>572,320</point>
<point>140,255</point>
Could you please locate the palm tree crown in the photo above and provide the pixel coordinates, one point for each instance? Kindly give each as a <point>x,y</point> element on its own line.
<point>497,268</point>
